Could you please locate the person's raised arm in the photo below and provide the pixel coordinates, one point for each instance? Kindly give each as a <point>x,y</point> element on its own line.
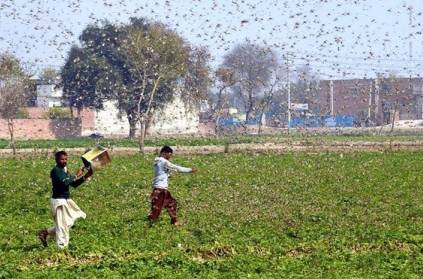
<point>174,167</point>
<point>67,179</point>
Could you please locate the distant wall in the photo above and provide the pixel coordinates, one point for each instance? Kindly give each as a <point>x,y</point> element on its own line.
<point>174,119</point>
<point>38,127</point>
<point>42,128</point>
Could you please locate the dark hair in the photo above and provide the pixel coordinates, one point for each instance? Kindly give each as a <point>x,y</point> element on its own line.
<point>166,149</point>
<point>60,153</point>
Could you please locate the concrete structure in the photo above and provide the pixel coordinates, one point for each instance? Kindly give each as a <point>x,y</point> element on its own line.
<point>49,95</point>
<point>174,119</point>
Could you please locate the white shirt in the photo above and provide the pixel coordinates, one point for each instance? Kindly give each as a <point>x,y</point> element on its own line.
<point>162,169</point>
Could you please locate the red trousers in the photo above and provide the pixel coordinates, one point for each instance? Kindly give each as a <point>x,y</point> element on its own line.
<point>162,198</point>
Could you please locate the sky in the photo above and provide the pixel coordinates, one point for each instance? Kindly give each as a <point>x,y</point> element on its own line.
<point>336,38</point>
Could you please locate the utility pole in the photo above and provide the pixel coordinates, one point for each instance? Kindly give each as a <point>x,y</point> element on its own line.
<point>377,100</point>
<point>410,48</point>
<point>369,110</point>
<point>410,43</point>
<point>332,113</point>
<point>288,79</point>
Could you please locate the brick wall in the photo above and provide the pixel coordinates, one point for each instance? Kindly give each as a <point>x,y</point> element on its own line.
<point>42,128</point>
<point>351,97</point>
<point>38,127</point>
<point>37,113</point>
<point>87,122</point>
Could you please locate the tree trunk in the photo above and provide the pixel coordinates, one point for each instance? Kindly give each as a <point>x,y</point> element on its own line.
<point>142,135</point>
<point>12,134</point>
<point>132,125</point>
<point>146,117</point>
<point>148,123</point>
<point>216,125</point>
<point>247,115</point>
<point>393,117</point>
<point>250,106</point>
<point>260,120</point>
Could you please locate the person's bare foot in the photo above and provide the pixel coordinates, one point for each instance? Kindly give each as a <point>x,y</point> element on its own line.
<point>42,236</point>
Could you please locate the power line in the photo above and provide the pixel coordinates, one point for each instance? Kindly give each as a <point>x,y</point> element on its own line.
<point>356,57</point>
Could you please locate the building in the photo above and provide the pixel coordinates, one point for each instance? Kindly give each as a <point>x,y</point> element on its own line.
<point>174,119</point>
<point>369,101</point>
<point>49,95</point>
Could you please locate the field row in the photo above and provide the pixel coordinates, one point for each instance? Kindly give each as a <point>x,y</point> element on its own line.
<point>327,215</point>
<point>296,138</point>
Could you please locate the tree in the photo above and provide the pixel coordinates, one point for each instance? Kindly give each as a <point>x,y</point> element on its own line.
<point>137,64</point>
<point>252,67</point>
<point>223,79</point>
<point>50,75</point>
<point>304,87</point>
<point>393,94</point>
<point>80,77</point>
<point>197,81</point>
<point>273,87</point>
<point>155,56</point>
<point>14,84</point>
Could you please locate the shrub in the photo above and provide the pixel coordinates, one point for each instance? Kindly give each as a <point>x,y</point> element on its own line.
<point>59,113</point>
<point>22,113</point>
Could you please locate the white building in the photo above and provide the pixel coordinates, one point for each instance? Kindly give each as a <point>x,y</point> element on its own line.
<point>49,95</point>
<point>174,119</point>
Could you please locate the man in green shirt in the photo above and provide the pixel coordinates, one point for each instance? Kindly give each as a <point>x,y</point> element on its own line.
<point>64,210</point>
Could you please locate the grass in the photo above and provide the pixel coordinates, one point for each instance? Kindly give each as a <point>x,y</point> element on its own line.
<point>209,140</point>
<point>326,215</point>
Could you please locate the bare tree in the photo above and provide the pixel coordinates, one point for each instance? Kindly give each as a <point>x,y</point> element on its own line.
<point>50,75</point>
<point>393,93</point>
<point>273,86</point>
<point>13,92</point>
<point>223,79</point>
<point>304,87</point>
<point>252,67</point>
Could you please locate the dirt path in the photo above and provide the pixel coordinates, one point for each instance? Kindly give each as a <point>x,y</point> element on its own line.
<point>249,148</point>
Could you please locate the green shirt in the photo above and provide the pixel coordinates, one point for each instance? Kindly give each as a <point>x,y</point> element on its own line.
<point>61,181</point>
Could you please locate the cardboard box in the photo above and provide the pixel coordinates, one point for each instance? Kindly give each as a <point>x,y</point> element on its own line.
<point>96,158</point>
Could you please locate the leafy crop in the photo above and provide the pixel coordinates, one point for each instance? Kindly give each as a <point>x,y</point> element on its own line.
<point>328,215</point>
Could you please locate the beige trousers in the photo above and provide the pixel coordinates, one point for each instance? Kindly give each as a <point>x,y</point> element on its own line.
<point>64,213</point>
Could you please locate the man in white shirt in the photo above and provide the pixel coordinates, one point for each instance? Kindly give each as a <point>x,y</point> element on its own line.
<point>161,197</point>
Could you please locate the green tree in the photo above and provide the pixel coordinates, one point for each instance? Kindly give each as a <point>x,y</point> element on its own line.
<point>198,79</point>
<point>14,84</point>
<point>139,65</point>
<point>156,56</point>
<point>80,76</point>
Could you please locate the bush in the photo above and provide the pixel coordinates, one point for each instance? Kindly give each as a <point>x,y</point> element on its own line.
<point>59,113</point>
<point>22,113</point>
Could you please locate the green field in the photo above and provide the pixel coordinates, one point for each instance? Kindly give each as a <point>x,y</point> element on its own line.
<point>328,215</point>
<point>304,138</point>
